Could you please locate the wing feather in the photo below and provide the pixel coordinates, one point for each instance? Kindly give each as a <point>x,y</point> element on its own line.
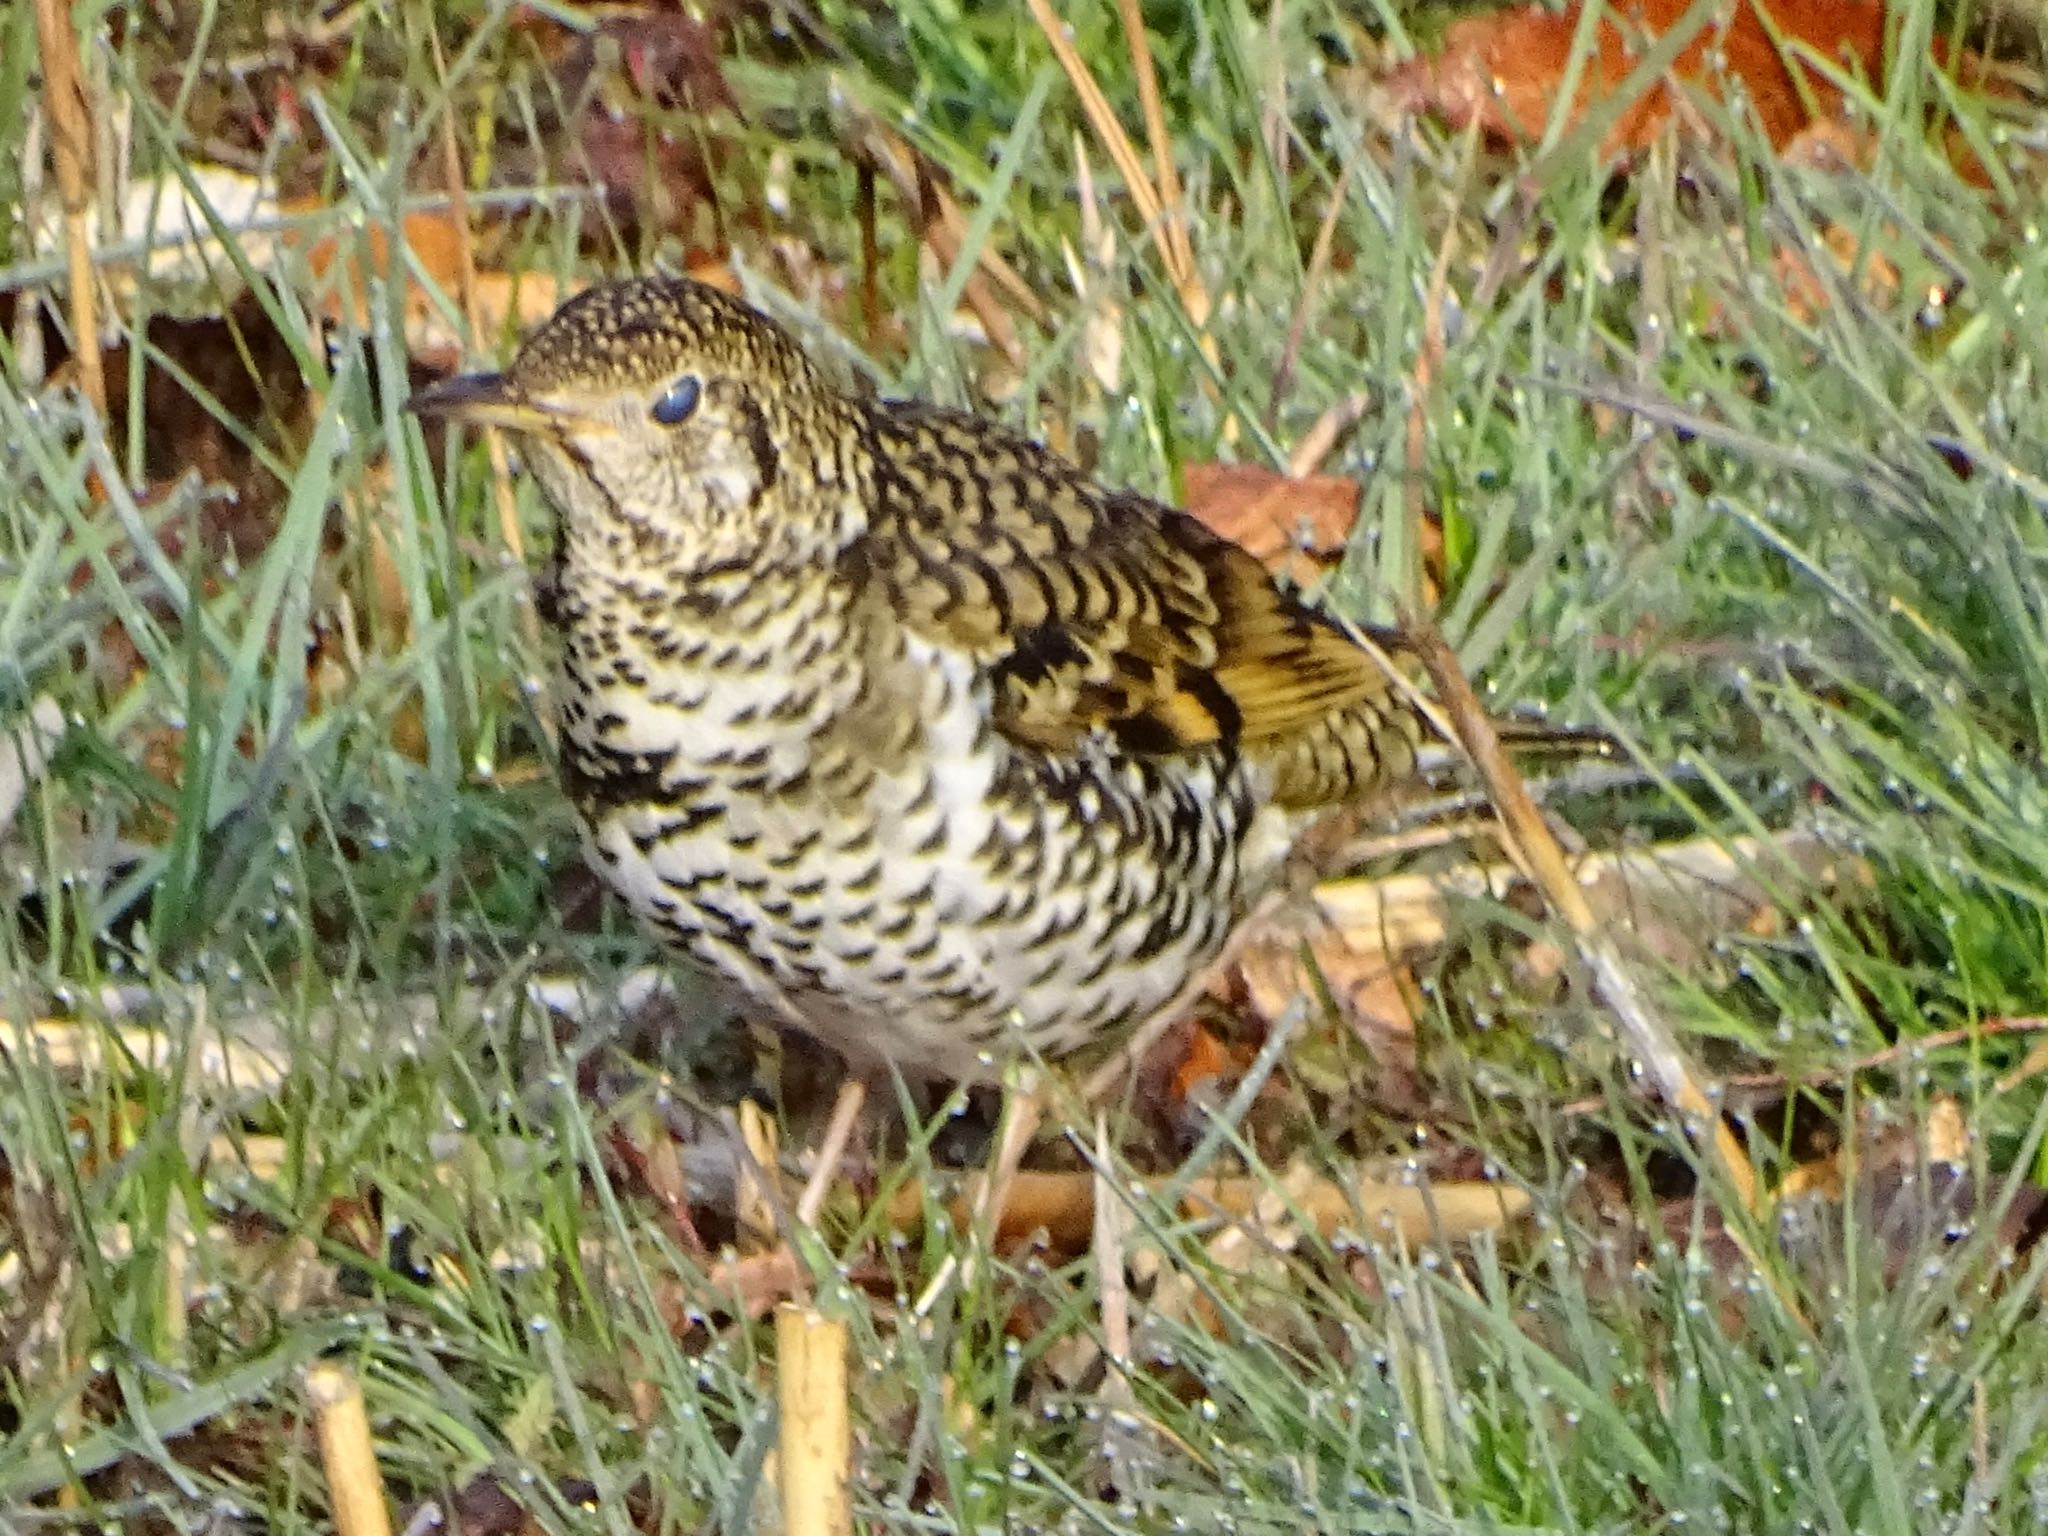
<point>1095,612</point>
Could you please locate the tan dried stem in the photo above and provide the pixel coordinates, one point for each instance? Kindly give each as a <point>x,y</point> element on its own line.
<point>1311,284</point>
<point>1320,440</point>
<point>1112,1223</point>
<point>1174,225</point>
<point>1537,851</point>
<point>814,1448</point>
<point>355,1488</point>
<point>846,1108</point>
<point>509,531</point>
<point>1429,365</point>
<point>1159,202</point>
<point>943,227</point>
<point>71,139</point>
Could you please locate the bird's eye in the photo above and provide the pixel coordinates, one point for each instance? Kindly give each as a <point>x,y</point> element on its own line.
<point>676,402</point>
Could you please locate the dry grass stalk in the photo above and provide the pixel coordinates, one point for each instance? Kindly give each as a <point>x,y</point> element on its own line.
<point>1112,1225</point>
<point>814,1448</point>
<point>1311,284</point>
<point>846,1108</point>
<point>754,1198</point>
<point>473,311</point>
<point>355,1488</point>
<point>943,228</point>
<point>1537,851</point>
<point>1174,231</point>
<point>1159,201</point>
<point>71,147</point>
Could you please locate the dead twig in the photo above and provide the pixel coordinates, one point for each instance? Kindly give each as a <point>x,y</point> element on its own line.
<point>814,1446</point>
<point>1159,203</point>
<point>1174,228</point>
<point>1524,829</point>
<point>846,1108</point>
<point>355,1488</point>
<point>71,139</point>
<point>1061,1207</point>
<point>1112,1226</point>
<point>943,227</point>
<point>1311,285</point>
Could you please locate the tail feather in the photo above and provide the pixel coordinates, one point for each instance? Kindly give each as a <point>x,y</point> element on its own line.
<point>1532,742</point>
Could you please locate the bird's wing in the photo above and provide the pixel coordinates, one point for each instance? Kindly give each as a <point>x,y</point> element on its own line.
<point>1096,612</point>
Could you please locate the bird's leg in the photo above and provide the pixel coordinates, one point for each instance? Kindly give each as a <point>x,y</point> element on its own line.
<point>846,1110</point>
<point>1028,1091</point>
<point>1024,1098</point>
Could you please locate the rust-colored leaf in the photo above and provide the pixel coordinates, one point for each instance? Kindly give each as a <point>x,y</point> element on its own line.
<point>432,246</point>
<point>1297,524</point>
<point>1503,71</point>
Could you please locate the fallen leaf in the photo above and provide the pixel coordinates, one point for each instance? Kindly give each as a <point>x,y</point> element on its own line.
<point>1674,897</point>
<point>1946,1137</point>
<point>1808,294</point>
<point>1503,71</point>
<point>430,259</point>
<point>1296,524</point>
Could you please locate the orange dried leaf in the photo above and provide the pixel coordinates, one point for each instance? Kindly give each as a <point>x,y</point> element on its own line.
<point>1204,1063</point>
<point>1503,71</point>
<point>432,251</point>
<point>1292,522</point>
<point>432,239</point>
<point>752,1286</point>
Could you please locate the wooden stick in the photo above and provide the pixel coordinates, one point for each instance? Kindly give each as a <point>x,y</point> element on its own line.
<point>1523,825</point>
<point>1062,1205</point>
<point>71,148</point>
<point>814,1450</point>
<point>355,1488</point>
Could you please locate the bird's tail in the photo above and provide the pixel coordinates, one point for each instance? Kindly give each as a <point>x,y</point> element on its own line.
<point>1536,745</point>
<point>1527,736</point>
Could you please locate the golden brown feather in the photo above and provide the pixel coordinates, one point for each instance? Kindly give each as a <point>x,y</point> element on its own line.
<point>894,719</point>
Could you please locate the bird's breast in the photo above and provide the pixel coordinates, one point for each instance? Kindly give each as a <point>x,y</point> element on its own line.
<point>817,804</point>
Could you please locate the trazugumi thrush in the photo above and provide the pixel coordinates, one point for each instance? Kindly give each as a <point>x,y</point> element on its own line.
<point>931,744</point>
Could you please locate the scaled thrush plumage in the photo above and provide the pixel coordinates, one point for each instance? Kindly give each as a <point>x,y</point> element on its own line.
<point>894,718</point>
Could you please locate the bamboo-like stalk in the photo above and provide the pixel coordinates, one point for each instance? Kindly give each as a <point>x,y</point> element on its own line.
<point>814,1450</point>
<point>355,1488</point>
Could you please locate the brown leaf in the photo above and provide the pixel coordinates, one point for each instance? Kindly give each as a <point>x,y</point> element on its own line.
<point>1295,523</point>
<point>1807,292</point>
<point>1503,71</point>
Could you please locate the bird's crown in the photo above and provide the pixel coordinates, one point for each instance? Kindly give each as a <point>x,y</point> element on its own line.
<point>644,332</point>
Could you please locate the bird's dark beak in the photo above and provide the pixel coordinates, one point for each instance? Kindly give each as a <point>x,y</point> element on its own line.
<point>484,400</point>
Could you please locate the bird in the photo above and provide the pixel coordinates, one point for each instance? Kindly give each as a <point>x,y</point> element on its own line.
<point>929,744</point>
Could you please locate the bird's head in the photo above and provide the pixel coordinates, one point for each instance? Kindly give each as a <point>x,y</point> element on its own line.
<point>673,426</point>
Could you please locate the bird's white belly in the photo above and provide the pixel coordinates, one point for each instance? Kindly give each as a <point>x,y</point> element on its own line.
<point>928,929</point>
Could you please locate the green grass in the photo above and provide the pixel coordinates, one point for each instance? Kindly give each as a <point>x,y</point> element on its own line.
<point>1764,569</point>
